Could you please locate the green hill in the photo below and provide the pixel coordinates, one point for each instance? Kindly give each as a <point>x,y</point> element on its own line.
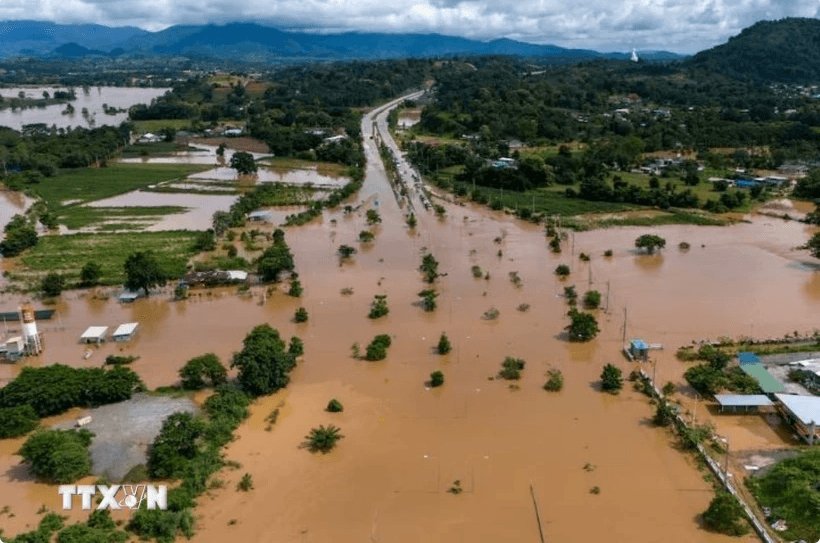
<point>769,51</point>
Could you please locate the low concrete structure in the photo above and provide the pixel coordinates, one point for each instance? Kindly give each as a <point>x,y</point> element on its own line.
<point>94,334</point>
<point>128,296</point>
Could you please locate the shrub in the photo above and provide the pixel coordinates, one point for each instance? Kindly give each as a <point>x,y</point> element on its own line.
<point>195,372</point>
<point>412,221</point>
<point>650,242</point>
<point>53,284</point>
<point>583,257</point>
<point>523,307</point>
<point>668,388</point>
<point>608,253</point>
<point>562,271</point>
<point>377,349</point>
<point>429,267</point>
<point>436,379</point>
<point>58,456</point>
<point>246,483</point>
<point>583,326</point>
<point>323,439</point>
<point>555,381</point>
<point>515,279</point>
<point>443,346</point>
<point>301,315</point>
<point>555,245</point>
<point>725,515</point>
<point>346,251</point>
<point>511,368</point>
<point>114,360</point>
<point>296,289</point>
<point>378,307</point>
<point>664,414</point>
<point>264,363</point>
<point>611,379</point>
<point>477,273</point>
<point>90,274</point>
<point>683,246</point>
<point>334,406</point>
<point>365,236</point>
<point>428,299</point>
<point>17,421</point>
<point>373,217</point>
<point>592,299</point>
<point>491,314</point>
<point>296,347</point>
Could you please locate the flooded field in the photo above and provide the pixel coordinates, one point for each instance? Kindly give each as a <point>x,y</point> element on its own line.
<point>12,203</point>
<point>405,444</point>
<point>270,175</point>
<point>202,154</point>
<point>409,117</point>
<point>93,100</point>
<point>201,208</point>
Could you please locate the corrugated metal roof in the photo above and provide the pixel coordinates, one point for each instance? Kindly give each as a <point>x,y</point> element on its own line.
<point>748,358</point>
<point>95,332</point>
<point>805,408</point>
<point>125,329</point>
<point>743,400</point>
<point>639,344</point>
<point>768,384</point>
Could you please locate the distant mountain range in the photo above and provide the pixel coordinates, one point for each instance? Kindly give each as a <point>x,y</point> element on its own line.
<point>248,41</point>
<point>768,51</point>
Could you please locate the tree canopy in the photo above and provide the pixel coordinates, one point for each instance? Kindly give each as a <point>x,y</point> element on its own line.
<point>264,362</point>
<point>58,456</point>
<point>650,242</point>
<point>143,272</point>
<point>243,163</point>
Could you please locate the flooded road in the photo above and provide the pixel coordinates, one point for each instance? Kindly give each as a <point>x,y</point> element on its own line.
<point>404,444</point>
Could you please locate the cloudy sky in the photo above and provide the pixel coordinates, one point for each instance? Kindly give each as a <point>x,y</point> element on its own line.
<point>684,26</point>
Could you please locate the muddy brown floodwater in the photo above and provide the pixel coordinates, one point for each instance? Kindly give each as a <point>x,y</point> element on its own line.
<point>404,444</point>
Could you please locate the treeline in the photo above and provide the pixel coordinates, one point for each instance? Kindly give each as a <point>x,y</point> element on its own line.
<point>668,106</point>
<point>25,158</point>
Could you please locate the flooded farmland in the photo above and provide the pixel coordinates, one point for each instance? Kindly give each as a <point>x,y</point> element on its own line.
<point>405,444</point>
<point>92,101</point>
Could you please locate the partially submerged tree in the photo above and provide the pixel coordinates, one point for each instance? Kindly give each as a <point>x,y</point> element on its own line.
<point>52,284</point>
<point>611,379</point>
<point>443,346</point>
<point>264,363</point>
<point>592,299</point>
<point>202,371</point>
<point>725,515</point>
<point>378,307</point>
<point>429,267</point>
<point>90,274</point>
<point>373,217</point>
<point>562,270</point>
<point>428,299</point>
<point>58,456</point>
<point>582,326</point>
<point>143,272</point>
<point>243,163</point>
<point>377,349</point>
<point>346,251</point>
<point>436,379</point>
<point>323,438</point>
<point>650,242</point>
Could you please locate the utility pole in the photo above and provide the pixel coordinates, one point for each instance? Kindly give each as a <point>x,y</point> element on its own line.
<point>654,373</point>
<point>573,244</point>
<point>590,277</point>
<point>606,309</point>
<point>726,460</point>
<point>624,340</point>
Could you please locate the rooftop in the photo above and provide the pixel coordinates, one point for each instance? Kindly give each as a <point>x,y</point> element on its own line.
<point>750,363</point>
<point>125,329</point>
<point>95,332</point>
<point>805,408</point>
<point>743,400</point>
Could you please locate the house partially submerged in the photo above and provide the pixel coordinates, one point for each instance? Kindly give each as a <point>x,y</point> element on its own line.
<point>213,278</point>
<point>94,334</point>
<point>126,331</point>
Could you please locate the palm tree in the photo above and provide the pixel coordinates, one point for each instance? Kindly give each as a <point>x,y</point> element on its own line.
<point>323,438</point>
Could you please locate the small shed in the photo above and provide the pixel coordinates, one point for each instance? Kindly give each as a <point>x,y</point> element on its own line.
<point>128,296</point>
<point>126,331</point>
<point>260,216</point>
<point>94,334</point>
<point>237,275</point>
<point>639,349</point>
<point>15,347</point>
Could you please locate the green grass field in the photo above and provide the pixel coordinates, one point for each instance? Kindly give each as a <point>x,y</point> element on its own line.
<point>89,184</point>
<point>67,254</point>
<point>154,126</point>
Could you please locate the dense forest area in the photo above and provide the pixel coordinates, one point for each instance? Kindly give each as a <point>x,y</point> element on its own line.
<point>612,113</point>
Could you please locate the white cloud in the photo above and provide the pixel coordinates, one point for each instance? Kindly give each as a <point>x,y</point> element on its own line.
<point>679,25</point>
